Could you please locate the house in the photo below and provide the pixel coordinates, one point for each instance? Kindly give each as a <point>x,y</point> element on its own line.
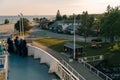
<point>44,23</point>
<point>61,26</point>
<point>70,29</point>
<point>53,27</point>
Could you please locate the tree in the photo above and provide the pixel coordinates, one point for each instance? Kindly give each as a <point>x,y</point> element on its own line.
<point>108,8</point>
<point>64,17</point>
<point>78,17</point>
<point>110,23</point>
<point>6,21</point>
<point>91,21</point>
<point>25,24</point>
<point>58,16</point>
<point>71,17</point>
<point>85,19</point>
<point>36,19</point>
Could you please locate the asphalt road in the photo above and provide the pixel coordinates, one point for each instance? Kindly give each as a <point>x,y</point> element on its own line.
<point>36,32</point>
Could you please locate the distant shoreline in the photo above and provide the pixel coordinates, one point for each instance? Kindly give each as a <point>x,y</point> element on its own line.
<point>7,24</point>
<point>29,15</point>
<point>15,18</point>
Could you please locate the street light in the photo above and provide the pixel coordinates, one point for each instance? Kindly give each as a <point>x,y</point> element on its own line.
<point>20,23</point>
<point>74,37</point>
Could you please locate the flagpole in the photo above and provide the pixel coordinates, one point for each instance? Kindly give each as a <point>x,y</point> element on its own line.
<point>74,39</point>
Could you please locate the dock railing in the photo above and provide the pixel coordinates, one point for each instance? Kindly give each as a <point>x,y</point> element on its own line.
<point>94,70</point>
<point>72,70</point>
<point>92,58</point>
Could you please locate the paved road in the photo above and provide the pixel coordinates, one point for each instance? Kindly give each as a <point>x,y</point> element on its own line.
<point>37,32</point>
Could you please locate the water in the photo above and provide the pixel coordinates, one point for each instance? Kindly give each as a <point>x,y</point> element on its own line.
<point>14,19</point>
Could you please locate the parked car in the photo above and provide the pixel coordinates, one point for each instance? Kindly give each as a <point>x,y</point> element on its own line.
<point>96,43</point>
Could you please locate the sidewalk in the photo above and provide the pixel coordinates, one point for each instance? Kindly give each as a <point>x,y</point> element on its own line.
<point>75,64</point>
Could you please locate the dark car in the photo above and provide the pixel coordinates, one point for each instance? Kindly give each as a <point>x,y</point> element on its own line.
<point>96,40</point>
<point>96,43</point>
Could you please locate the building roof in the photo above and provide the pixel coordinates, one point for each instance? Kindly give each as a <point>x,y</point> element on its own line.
<point>71,45</point>
<point>55,24</point>
<point>71,21</point>
<point>71,27</point>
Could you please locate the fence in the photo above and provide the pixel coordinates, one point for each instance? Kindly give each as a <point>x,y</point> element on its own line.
<point>72,70</point>
<point>96,71</point>
<point>91,58</point>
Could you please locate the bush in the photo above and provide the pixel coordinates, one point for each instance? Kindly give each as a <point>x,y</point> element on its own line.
<point>115,47</point>
<point>6,21</point>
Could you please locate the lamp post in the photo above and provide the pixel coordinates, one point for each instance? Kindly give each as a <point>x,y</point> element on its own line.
<point>74,38</point>
<point>20,23</point>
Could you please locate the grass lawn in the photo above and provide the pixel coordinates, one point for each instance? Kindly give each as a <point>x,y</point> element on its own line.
<point>113,59</point>
<point>27,33</point>
<point>53,43</point>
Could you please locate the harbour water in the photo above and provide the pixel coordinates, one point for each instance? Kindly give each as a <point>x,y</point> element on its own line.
<point>14,19</point>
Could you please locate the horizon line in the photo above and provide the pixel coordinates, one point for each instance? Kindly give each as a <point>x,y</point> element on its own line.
<point>50,14</point>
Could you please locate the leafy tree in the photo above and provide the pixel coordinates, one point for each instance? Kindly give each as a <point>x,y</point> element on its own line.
<point>110,23</point>
<point>71,17</point>
<point>6,21</point>
<point>64,17</point>
<point>36,19</point>
<point>91,21</point>
<point>85,23</point>
<point>96,23</point>
<point>78,17</point>
<point>58,16</point>
<point>108,8</point>
<point>26,24</point>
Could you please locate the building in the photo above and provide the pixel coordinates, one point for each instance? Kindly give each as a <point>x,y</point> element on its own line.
<point>44,23</point>
<point>62,26</point>
<point>70,29</point>
<point>69,48</point>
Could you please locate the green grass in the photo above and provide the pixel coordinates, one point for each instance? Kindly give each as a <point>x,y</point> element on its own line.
<point>27,33</point>
<point>112,58</point>
<point>53,43</point>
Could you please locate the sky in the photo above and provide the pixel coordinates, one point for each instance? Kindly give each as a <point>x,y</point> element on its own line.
<point>50,7</point>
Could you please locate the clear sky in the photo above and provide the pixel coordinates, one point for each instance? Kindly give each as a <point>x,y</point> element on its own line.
<point>50,7</point>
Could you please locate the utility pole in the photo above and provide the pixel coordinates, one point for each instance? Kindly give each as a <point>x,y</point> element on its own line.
<point>74,39</point>
<point>22,24</point>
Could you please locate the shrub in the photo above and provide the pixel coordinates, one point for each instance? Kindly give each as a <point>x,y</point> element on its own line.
<point>6,21</point>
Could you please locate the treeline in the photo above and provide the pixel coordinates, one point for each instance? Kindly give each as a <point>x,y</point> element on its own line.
<point>71,17</point>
